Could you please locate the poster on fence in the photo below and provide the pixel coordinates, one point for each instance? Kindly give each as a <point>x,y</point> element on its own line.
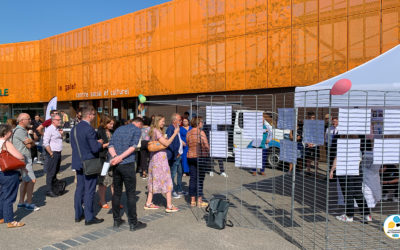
<point>348,157</point>
<point>288,151</point>
<point>386,151</point>
<point>253,125</point>
<point>220,115</point>
<point>219,144</point>
<point>248,157</point>
<point>354,121</point>
<point>286,118</point>
<point>314,132</point>
<point>391,121</point>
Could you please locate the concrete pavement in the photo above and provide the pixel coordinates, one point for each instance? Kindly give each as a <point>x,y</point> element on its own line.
<point>53,226</point>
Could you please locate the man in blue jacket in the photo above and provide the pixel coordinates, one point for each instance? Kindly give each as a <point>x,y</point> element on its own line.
<point>174,152</point>
<point>86,184</point>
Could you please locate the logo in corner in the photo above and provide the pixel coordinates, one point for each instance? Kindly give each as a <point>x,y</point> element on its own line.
<point>391,226</point>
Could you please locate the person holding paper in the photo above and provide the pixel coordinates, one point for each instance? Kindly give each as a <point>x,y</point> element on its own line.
<point>300,146</point>
<point>104,132</point>
<point>351,187</point>
<point>311,150</point>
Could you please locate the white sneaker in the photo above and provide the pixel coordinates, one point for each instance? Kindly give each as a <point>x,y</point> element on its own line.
<point>211,173</point>
<point>387,196</point>
<point>344,218</point>
<point>368,218</point>
<point>39,162</point>
<point>224,175</point>
<point>175,195</point>
<point>35,160</point>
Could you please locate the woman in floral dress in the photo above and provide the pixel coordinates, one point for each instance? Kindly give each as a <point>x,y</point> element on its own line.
<point>159,172</point>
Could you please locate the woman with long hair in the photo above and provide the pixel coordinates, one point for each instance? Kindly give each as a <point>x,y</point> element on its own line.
<point>159,172</point>
<point>12,122</point>
<point>104,132</point>
<point>9,181</point>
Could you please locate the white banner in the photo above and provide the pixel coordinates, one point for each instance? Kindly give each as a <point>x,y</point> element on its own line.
<point>52,105</point>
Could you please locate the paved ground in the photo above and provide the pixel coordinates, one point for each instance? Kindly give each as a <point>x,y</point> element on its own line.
<point>54,227</point>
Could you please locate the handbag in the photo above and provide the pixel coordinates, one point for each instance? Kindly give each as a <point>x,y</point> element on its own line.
<point>154,146</point>
<point>217,212</point>
<point>8,162</point>
<point>91,166</point>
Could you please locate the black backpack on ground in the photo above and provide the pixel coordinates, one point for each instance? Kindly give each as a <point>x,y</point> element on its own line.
<point>59,187</point>
<point>217,212</point>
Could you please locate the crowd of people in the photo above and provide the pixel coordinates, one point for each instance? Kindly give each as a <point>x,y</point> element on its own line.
<point>364,186</point>
<point>185,149</point>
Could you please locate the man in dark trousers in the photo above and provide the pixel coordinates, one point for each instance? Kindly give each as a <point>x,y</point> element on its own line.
<point>122,150</point>
<point>52,142</point>
<point>86,184</point>
<point>174,152</point>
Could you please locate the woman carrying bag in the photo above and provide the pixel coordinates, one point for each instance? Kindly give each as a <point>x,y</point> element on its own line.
<point>159,171</point>
<point>9,180</point>
<point>199,161</point>
<point>104,132</point>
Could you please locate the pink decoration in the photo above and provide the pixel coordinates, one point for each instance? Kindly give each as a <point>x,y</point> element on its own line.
<point>341,87</point>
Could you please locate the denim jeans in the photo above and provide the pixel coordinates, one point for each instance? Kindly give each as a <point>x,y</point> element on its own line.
<point>9,182</point>
<point>124,174</point>
<point>176,170</point>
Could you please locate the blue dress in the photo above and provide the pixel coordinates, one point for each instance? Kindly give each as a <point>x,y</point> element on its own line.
<point>185,164</point>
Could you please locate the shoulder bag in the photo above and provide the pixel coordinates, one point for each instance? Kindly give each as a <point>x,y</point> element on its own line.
<point>8,162</point>
<point>154,146</point>
<point>92,166</point>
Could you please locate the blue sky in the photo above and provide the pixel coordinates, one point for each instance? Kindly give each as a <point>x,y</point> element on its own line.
<point>27,20</point>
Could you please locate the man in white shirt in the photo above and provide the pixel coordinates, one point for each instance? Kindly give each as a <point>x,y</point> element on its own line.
<point>52,142</point>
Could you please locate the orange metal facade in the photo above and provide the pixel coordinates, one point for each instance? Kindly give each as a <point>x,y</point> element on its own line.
<point>195,46</point>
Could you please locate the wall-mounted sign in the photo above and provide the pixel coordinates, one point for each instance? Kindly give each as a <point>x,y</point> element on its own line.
<point>3,92</point>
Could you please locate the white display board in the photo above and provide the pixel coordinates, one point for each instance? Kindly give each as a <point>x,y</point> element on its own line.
<point>391,122</point>
<point>348,157</point>
<point>386,151</point>
<point>354,121</point>
<point>248,157</point>
<point>253,125</point>
<point>219,144</point>
<point>219,115</point>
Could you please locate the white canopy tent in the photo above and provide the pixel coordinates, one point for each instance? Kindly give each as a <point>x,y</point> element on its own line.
<point>374,83</point>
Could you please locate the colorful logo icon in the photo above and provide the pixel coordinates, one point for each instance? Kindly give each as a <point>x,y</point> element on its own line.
<point>391,226</point>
